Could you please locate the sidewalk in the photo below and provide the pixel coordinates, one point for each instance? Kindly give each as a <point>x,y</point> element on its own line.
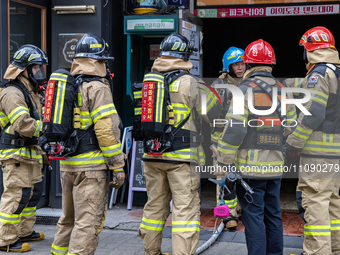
<point>120,235</point>
<point>120,242</point>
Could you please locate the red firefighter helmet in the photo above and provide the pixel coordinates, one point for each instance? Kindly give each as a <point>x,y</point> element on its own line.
<point>317,38</point>
<point>259,52</point>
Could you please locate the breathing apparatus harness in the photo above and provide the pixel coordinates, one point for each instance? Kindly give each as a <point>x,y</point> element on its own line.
<point>61,141</point>
<point>9,141</point>
<point>158,136</point>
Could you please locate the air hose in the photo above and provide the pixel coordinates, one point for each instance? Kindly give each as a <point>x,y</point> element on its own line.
<point>211,240</point>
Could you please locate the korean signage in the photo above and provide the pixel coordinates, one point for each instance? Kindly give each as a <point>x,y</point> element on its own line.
<point>268,11</point>
<point>154,51</point>
<point>202,3</point>
<point>150,24</point>
<point>191,32</point>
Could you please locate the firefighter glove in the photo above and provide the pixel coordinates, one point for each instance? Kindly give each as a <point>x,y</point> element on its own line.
<point>291,152</point>
<point>118,178</point>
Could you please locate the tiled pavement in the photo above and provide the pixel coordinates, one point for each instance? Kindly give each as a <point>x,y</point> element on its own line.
<point>292,222</point>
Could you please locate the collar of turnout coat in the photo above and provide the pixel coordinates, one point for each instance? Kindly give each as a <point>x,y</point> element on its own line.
<point>88,66</point>
<point>165,64</point>
<point>252,70</point>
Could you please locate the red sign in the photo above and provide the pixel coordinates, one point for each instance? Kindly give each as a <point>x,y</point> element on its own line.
<point>49,101</point>
<point>148,95</point>
<point>203,3</point>
<point>268,11</point>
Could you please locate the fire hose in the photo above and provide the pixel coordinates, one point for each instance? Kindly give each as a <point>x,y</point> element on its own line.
<point>231,177</point>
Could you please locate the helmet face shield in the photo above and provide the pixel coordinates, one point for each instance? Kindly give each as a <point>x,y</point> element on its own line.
<point>36,74</point>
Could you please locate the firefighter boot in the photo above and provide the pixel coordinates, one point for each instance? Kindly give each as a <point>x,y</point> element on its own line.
<point>35,236</point>
<point>165,254</point>
<point>230,223</point>
<point>18,246</point>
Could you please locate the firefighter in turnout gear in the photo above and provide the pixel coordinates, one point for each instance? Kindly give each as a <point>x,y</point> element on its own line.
<point>317,138</point>
<point>232,73</point>
<point>84,174</point>
<point>252,142</point>
<point>172,174</point>
<point>20,156</point>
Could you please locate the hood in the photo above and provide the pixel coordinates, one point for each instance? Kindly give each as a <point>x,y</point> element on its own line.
<point>165,64</point>
<point>252,70</point>
<point>12,72</point>
<point>88,66</point>
<point>25,82</point>
<point>323,56</point>
<point>230,80</point>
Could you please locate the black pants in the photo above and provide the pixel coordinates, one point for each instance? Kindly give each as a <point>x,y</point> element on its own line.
<point>262,218</point>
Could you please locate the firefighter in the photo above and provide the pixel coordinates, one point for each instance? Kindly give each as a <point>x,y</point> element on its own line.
<point>20,155</point>
<point>84,174</point>
<point>252,143</point>
<point>172,174</point>
<point>316,139</point>
<point>232,73</point>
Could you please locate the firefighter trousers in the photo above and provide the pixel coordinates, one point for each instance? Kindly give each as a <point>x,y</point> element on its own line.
<point>84,204</point>
<point>262,218</point>
<point>229,199</point>
<point>22,192</point>
<point>321,202</point>
<point>163,182</point>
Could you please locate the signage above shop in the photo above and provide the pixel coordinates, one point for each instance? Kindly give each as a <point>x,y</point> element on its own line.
<point>268,11</point>
<point>150,24</point>
<point>204,3</point>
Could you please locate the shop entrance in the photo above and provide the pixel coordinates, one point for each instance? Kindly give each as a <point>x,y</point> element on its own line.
<point>283,33</point>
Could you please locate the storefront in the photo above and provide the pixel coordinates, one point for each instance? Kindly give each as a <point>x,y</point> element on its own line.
<point>229,23</point>
<point>279,22</point>
<point>55,26</point>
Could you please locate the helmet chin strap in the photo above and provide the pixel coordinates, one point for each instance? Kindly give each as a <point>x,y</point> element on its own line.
<point>305,56</point>
<point>232,73</point>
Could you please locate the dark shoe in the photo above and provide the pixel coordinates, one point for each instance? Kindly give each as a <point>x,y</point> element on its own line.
<point>35,236</point>
<point>18,246</point>
<point>230,223</point>
<point>165,253</point>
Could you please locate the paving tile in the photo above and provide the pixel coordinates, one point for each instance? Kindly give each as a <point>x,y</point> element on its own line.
<point>291,221</point>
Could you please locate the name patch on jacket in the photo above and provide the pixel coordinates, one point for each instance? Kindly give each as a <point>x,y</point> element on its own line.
<point>268,139</point>
<point>313,80</point>
<point>174,86</point>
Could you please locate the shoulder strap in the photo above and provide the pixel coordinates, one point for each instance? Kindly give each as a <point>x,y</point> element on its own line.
<point>87,78</point>
<point>319,68</point>
<point>262,73</point>
<point>170,77</point>
<point>268,89</point>
<point>335,69</point>
<point>17,84</point>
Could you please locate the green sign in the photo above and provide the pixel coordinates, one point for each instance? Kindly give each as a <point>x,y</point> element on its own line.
<point>150,24</point>
<point>207,13</point>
